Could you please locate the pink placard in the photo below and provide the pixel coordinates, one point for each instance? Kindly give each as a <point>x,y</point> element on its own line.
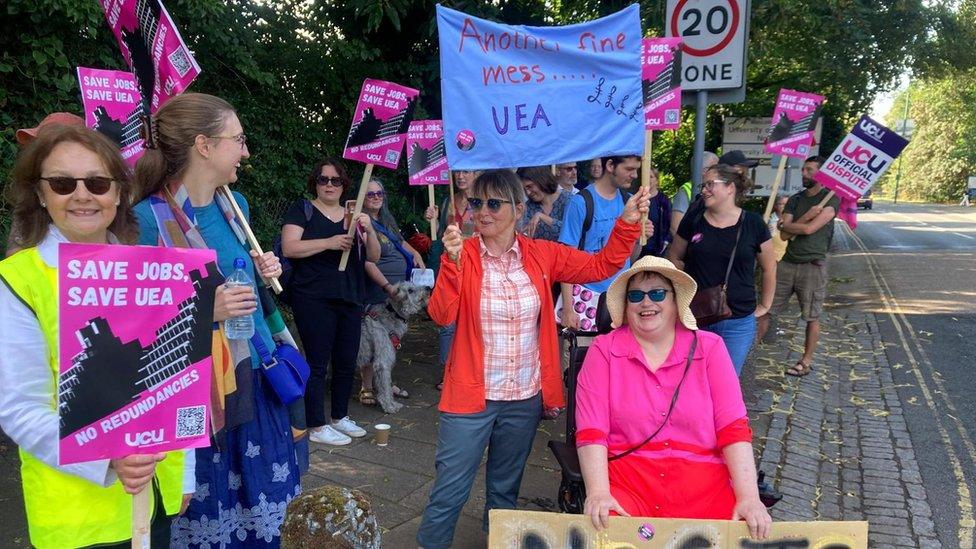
<point>135,341</point>
<point>426,161</point>
<point>153,48</point>
<point>113,107</point>
<point>379,127</point>
<point>661,79</point>
<point>794,123</point>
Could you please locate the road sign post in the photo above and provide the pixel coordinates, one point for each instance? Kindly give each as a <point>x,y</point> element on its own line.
<point>714,35</point>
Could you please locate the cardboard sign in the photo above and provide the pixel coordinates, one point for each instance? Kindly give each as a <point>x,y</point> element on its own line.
<point>113,107</point>
<point>514,95</point>
<point>153,48</point>
<point>380,124</point>
<point>792,130</point>
<point>661,78</point>
<point>555,530</point>
<point>426,160</point>
<point>861,159</point>
<point>135,349</point>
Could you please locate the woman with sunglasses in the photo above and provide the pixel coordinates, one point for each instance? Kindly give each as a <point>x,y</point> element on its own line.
<point>69,185</point>
<point>704,245</point>
<point>327,302</point>
<point>504,371</point>
<point>194,145</point>
<point>662,429</point>
<point>397,260</point>
<point>546,203</point>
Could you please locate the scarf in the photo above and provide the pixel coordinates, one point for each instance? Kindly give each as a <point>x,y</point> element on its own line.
<point>231,401</point>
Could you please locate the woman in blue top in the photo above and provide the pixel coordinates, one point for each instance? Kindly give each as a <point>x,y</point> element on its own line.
<point>194,145</point>
<point>546,204</point>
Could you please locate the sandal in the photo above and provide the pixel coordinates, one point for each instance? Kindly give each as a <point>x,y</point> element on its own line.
<point>400,393</point>
<point>367,398</point>
<point>800,369</point>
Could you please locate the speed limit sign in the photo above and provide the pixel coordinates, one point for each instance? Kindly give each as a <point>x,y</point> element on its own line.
<point>713,34</point>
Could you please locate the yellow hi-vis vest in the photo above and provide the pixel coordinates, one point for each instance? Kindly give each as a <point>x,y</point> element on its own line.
<point>64,510</point>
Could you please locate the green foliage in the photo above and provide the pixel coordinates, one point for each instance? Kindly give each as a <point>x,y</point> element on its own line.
<point>293,69</point>
<point>942,152</point>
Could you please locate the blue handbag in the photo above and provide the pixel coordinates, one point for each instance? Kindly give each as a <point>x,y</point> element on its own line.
<point>286,371</point>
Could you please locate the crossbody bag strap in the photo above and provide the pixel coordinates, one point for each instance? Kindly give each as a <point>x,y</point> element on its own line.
<point>738,233</point>
<point>674,400</point>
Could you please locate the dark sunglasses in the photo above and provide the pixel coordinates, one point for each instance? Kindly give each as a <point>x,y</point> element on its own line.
<point>494,204</point>
<point>333,181</point>
<point>657,295</point>
<point>66,185</point>
<point>375,194</point>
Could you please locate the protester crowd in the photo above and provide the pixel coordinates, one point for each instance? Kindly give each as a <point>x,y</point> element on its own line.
<point>519,254</point>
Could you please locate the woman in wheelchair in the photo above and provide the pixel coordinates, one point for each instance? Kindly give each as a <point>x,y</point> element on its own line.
<point>662,428</point>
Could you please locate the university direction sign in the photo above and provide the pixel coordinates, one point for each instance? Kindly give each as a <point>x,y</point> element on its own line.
<point>714,36</point>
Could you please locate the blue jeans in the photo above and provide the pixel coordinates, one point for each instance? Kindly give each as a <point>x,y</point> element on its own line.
<point>738,335</point>
<point>445,337</point>
<point>506,428</point>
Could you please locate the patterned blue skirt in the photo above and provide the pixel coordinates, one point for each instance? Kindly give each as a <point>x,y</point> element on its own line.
<point>244,487</point>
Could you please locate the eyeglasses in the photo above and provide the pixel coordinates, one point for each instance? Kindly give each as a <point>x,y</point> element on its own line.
<point>657,295</point>
<point>240,138</point>
<point>568,168</point>
<point>329,181</point>
<point>494,204</point>
<point>375,194</point>
<point>712,182</point>
<point>96,185</point>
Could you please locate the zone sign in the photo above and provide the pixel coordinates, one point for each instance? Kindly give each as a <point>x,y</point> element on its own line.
<point>713,34</point>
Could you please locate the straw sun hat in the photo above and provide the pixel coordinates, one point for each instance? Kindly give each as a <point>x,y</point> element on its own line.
<point>684,289</point>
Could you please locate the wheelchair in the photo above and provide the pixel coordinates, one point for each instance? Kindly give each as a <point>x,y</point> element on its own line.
<point>572,491</point>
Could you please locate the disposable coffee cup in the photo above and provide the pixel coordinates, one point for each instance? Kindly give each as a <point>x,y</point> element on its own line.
<point>382,434</point>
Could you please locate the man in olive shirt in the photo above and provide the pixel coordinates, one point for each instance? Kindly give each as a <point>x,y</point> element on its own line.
<point>803,270</point>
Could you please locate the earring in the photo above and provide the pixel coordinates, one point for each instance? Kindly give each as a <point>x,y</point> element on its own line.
<point>43,205</point>
<point>117,202</point>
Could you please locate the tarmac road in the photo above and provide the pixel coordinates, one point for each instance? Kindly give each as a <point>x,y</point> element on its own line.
<point>922,286</point>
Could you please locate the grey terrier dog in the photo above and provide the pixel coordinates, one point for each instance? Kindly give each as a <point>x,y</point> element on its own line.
<point>383,328</point>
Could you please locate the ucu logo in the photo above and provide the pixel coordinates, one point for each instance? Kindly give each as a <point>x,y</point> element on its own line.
<point>144,438</point>
<point>863,156</point>
<point>872,130</point>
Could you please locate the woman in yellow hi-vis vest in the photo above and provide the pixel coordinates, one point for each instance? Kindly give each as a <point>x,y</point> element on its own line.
<point>69,185</point>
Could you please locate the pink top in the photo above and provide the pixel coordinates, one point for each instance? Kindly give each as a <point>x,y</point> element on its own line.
<point>619,401</point>
<point>510,323</point>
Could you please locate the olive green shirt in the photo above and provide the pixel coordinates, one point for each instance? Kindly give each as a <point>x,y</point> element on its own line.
<point>809,247</point>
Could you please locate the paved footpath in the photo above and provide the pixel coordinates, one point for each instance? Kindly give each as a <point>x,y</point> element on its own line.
<point>835,442</point>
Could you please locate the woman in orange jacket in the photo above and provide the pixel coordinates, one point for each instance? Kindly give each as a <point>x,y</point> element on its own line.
<point>503,369</point>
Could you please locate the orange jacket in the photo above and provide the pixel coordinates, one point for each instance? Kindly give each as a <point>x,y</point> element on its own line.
<point>457,299</point>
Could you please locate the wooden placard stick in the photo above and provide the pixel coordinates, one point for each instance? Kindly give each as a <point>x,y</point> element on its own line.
<point>646,179</point>
<point>772,192</point>
<point>140,518</point>
<point>452,216</point>
<point>248,233</point>
<point>360,197</point>
<point>433,222</point>
<point>790,236</point>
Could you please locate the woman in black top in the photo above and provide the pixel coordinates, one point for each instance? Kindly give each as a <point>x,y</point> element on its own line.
<point>327,302</point>
<point>704,244</point>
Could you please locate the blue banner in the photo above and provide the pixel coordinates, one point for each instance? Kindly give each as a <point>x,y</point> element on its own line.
<point>516,96</point>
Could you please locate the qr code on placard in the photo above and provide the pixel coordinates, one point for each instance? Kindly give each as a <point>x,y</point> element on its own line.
<point>392,156</point>
<point>671,116</point>
<point>180,61</point>
<point>191,421</point>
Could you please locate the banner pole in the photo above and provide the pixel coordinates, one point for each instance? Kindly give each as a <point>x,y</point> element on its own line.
<point>140,519</point>
<point>451,214</point>
<point>646,178</point>
<point>826,199</point>
<point>360,197</point>
<point>248,233</point>
<point>433,222</point>
<point>772,192</point>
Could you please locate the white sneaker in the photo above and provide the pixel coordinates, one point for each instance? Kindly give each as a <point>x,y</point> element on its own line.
<point>348,427</point>
<point>328,435</point>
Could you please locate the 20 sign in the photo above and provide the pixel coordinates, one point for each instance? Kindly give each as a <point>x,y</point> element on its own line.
<point>713,34</point>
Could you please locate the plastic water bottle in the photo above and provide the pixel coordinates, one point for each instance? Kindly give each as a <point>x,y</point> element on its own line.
<point>239,327</point>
